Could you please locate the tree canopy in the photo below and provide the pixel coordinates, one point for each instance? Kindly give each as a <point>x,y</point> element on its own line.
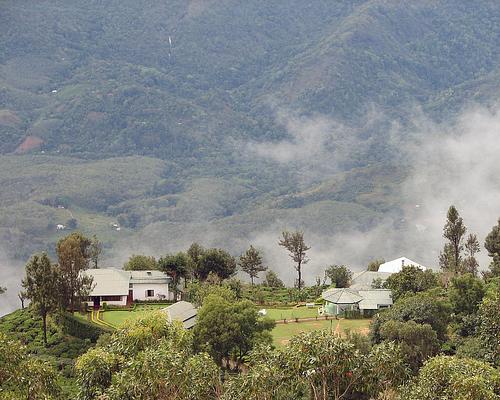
<point>297,250</point>
<point>251,263</point>
<point>139,262</point>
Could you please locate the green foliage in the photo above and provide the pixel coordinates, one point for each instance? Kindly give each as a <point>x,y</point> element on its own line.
<point>77,327</point>
<point>375,264</point>
<point>465,294</point>
<point>229,329</point>
<point>216,261</point>
<point>272,280</point>
<point>410,280</point>
<point>251,263</point>
<point>26,327</point>
<point>489,328</point>
<point>339,275</point>
<point>149,359</point>
<point>176,266</point>
<point>74,255</point>
<point>42,285</point>
<point>453,231</point>
<point>139,262</point>
<point>418,341</point>
<point>422,308</point>
<point>297,249</point>
<point>94,371</point>
<point>197,292</point>
<point>492,244</point>
<point>443,378</point>
<point>22,376</point>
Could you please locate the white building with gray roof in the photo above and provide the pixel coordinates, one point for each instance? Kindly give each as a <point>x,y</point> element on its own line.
<point>339,300</point>
<point>119,287</point>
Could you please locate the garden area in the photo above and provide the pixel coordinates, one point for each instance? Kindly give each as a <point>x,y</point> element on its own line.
<point>283,332</point>
<point>118,317</point>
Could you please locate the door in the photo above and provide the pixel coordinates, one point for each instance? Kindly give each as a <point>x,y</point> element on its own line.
<point>130,297</point>
<point>97,302</point>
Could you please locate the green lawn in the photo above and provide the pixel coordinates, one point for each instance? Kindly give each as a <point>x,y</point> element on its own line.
<point>291,313</point>
<point>283,332</point>
<point>117,318</point>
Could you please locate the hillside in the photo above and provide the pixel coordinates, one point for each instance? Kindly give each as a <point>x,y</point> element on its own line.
<point>220,121</point>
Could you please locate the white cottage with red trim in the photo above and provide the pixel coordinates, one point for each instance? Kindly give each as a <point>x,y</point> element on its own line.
<point>121,288</point>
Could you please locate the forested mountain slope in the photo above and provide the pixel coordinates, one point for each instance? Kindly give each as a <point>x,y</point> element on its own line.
<point>177,118</point>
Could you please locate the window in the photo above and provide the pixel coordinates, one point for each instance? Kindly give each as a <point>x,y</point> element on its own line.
<point>149,273</point>
<point>130,285</point>
<point>111,298</point>
<point>150,293</point>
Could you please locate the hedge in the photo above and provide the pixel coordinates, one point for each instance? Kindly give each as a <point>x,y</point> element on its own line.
<point>74,326</point>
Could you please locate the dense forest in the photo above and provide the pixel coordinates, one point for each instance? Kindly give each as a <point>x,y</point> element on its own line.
<point>186,116</point>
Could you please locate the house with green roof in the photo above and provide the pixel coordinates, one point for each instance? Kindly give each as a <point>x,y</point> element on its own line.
<point>340,300</point>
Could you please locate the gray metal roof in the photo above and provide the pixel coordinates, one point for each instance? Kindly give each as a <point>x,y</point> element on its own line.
<point>363,280</point>
<point>374,298</point>
<point>109,282</point>
<point>182,311</point>
<point>148,277</point>
<point>341,296</point>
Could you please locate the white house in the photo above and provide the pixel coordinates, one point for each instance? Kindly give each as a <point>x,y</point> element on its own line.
<point>119,287</point>
<point>397,265</point>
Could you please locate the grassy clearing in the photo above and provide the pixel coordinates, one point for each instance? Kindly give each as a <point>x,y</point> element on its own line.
<point>291,313</point>
<point>283,332</point>
<point>119,318</point>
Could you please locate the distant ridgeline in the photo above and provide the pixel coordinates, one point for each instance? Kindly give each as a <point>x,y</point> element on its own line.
<point>184,94</point>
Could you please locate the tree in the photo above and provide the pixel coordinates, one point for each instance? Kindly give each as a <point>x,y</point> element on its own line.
<point>95,251</point>
<point>492,244</point>
<point>197,292</point>
<point>41,284</point>
<point>22,297</point>
<point>228,329</point>
<point>2,290</point>
<point>418,341</point>
<point>149,359</point>
<point>217,261</point>
<point>272,280</point>
<point>176,266</point>
<point>251,263</point>
<point>472,247</point>
<point>23,376</point>
<point>294,243</point>
<point>339,275</point>
<point>465,294</point>
<point>72,223</point>
<point>375,264</point>
<point>334,369</point>
<point>139,262</point>
<point>454,231</point>
<point>195,252</point>
<point>411,279</point>
<point>489,328</point>
<point>423,308</point>
<point>73,253</point>
<point>444,377</point>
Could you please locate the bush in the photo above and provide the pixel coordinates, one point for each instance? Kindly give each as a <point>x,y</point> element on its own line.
<point>74,326</point>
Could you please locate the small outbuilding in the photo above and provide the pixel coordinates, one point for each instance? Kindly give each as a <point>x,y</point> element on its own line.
<point>182,311</point>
